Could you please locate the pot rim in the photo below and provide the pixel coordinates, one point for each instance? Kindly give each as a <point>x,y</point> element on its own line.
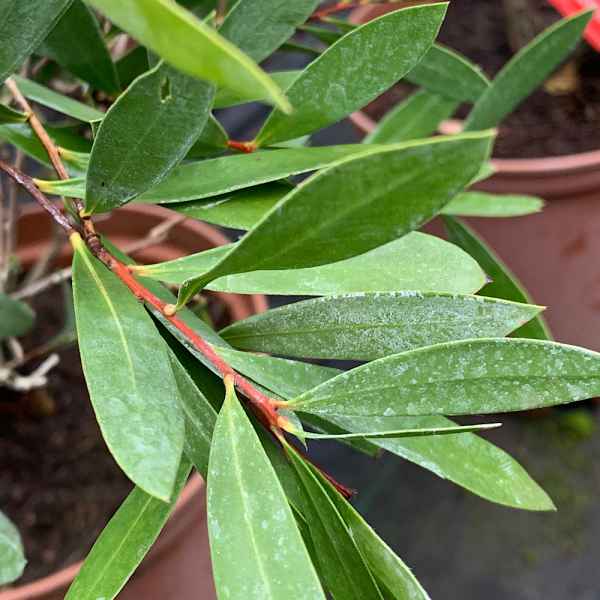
<point>62,578</point>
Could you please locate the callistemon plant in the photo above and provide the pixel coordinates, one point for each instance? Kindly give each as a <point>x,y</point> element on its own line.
<point>171,394</point>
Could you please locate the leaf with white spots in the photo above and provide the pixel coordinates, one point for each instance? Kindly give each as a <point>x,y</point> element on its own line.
<point>256,548</point>
<point>370,326</point>
<point>460,378</point>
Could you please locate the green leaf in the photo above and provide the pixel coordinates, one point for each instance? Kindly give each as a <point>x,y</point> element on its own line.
<point>63,104</point>
<point>124,542</point>
<point>22,136</point>
<point>17,317</point>
<point>370,326</point>
<point>212,140</point>
<point>132,65</point>
<point>341,565</point>
<point>241,209</point>
<point>334,85</point>
<point>84,53</point>
<point>460,378</point>
<point>418,116</point>
<point>444,71</point>
<point>526,71</point>
<point>503,283</point>
<point>465,459</point>
<point>416,261</point>
<point>355,204</point>
<point>226,97</point>
<point>385,565</point>
<point>132,389</point>
<point>402,433</point>
<point>200,417</point>
<point>180,38</point>
<point>131,152</point>
<point>209,178</point>
<point>480,204</point>
<point>276,20</point>
<point>250,523</point>
<point>12,559</point>
<point>8,115</point>
<point>23,25</point>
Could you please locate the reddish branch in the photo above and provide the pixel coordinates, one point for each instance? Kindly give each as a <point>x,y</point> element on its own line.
<point>264,407</point>
<point>246,147</point>
<point>334,8</point>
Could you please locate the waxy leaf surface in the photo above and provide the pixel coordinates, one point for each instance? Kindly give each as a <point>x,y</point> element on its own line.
<point>124,542</point>
<point>526,71</point>
<point>8,115</point>
<point>354,206</point>
<point>341,565</point>
<point>23,25</point>
<point>355,70</point>
<point>418,116</point>
<point>256,548</point>
<point>370,326</point>
<point>461,378</point>
<point>129,377</point>
<point>144,135</point>
<point>416,261</point>
<point>466,459</point>
<point>77,44</point>
<point>480,204</point>
<point>259,27</point>
<point>12,559</point>
<point>180,38</point>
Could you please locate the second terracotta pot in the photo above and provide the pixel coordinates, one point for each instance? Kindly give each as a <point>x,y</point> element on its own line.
<point>178,566</point>
<point>554,253</point>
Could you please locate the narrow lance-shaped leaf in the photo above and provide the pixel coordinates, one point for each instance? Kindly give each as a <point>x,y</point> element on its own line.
<point>12,558</point>
<point>212,140</point>
<point>385,565</point>
<point>133,391</point>
<point>63,104</point>
<point>402,433</point>
<point>526,70</point>
<point>466,459</point>
<point>358,204</point>
<point>480,204</point>
<point>124,542</point>
<point>503,283</point>
<point>23,25</point>
<point>131,152</point>
<point>341,565</point>
<point>333,85</point>
<point>16,317</point>
<point>226,97</point>
<point>461,378</point>
<point>450,74</point>
<point>418,116</point>
<point>200,417</point>
<point>76,43</point>
<point>180,38</point>
<point>276,20</point>
<point>250,522</point>
<point>8,115</point>
<point>416,261</point>
<point>370,326</point>
<point>209,178</point>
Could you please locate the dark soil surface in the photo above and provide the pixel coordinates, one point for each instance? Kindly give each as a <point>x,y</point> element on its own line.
<point>58,482</point>
<point>545,124</point>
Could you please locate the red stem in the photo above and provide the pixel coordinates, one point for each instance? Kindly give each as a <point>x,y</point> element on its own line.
<point>329,10</point>
<point>246,147</point>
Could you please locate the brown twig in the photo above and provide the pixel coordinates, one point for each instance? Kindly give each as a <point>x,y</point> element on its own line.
<point>84,233</point>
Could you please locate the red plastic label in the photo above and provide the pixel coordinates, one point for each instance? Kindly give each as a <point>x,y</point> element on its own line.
<point>570,7</point>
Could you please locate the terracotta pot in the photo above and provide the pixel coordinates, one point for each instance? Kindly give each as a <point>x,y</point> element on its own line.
<point>555,252</point>
<point>178,565</point>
